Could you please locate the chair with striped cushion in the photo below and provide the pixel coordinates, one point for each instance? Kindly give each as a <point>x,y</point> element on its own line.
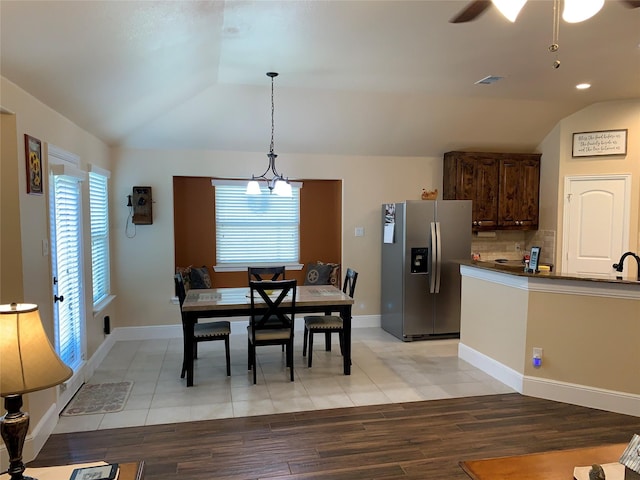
<point>327,324</point>
<point>270,323</point>
<point>202,332</point>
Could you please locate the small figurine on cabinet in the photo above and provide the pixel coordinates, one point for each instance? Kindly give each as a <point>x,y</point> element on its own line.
<point>429,195</point>
<point>596,472</point>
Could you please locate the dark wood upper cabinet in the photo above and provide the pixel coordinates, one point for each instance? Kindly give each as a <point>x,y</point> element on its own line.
<point>503,187</point>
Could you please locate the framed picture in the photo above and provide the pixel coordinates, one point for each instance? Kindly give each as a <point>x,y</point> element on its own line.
<point>534,258</point>
<point>596,144</point>
<point>33,158</point>
<point>101,472</point>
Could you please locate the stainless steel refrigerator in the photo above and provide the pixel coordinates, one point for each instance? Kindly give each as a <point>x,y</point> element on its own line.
<point>422,242</point>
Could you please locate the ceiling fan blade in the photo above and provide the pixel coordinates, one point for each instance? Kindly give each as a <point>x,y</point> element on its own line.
<point>632,3</point>
<point>473,10</point>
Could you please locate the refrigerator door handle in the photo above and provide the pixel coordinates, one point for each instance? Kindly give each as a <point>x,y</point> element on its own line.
<point>438,257</point>
<point>434,260</point>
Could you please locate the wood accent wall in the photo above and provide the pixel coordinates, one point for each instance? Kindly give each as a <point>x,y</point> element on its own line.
<point>195,229</point>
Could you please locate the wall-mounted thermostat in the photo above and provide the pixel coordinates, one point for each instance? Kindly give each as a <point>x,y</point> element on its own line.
<point>142,211</point>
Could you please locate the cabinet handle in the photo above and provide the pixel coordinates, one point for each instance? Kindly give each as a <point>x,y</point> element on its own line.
<point>475,222</point>
<point>479,223</point>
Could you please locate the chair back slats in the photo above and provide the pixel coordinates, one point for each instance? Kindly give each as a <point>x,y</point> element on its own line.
<point>266,273</point>
<point>180,290</point>
<point>272,293</point>
<point>350,280</point>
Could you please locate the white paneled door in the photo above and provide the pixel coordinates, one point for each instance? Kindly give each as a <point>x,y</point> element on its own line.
<point>596,223</point>
<point>65,209</point>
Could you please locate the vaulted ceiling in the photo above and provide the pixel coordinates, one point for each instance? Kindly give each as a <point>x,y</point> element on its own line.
<point>385,77</point>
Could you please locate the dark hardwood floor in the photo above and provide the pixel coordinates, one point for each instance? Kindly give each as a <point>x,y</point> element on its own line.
<point>419,440</point>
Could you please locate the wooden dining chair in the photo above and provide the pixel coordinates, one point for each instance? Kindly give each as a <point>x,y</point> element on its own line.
<point>202,332</point>
<point>328,324</point>
<point>266,307</point>
<point>269,273</point>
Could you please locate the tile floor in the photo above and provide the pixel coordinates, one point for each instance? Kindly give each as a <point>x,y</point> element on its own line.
<point>384,370</point>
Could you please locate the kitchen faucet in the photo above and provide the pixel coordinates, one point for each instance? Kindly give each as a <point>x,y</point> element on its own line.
<point>619,266</point>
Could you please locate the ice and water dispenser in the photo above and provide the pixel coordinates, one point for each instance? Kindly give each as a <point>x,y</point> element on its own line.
<point>420,260</point>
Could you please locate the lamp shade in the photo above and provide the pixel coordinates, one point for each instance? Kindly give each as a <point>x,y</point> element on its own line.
<point>28,362</point>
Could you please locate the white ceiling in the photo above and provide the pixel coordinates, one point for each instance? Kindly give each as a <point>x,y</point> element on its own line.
<point>387,77</point>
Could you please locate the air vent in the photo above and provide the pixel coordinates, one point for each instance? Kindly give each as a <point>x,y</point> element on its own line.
<point>488,80</point>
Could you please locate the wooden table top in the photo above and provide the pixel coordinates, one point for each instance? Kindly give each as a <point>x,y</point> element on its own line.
<point>556,465</point>
<point>238,298</point>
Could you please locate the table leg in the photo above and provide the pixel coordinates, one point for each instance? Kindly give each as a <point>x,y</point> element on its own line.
<point>346,357</point>
<point>188,347</point>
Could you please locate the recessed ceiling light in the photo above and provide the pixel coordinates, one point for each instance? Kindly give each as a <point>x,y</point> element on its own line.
<point>583,86</point>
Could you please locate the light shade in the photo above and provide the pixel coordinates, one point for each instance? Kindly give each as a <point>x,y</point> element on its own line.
<point>28,362</point>
<point>253,188</point>
<point>580,10</point>
<point>509,8</point>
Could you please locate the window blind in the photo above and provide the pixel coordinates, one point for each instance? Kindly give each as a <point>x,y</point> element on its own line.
<point>66,243</point>
<point>99,207</point>
<point>256,229</point>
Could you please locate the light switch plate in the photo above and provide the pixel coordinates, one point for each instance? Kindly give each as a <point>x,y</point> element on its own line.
<point>359,231</point>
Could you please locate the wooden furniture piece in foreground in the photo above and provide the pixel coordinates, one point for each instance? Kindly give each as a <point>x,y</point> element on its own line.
<point>556,465</point>
<point>235,302</point>
<point>127,471</point>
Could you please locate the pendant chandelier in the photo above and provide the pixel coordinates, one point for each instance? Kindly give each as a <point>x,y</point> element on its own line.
<point>277,184</point>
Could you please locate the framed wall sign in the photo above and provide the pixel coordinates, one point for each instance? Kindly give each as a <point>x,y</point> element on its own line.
<point>33,158</point>
<point>595,144</point>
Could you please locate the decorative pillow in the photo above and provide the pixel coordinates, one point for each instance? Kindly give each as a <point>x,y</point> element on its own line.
<point>200,277</point>
<point>317,274</point>
<point>186,276</point>
<point>334,277</point>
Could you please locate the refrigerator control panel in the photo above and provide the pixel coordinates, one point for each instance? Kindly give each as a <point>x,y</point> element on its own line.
<point>420,260</point>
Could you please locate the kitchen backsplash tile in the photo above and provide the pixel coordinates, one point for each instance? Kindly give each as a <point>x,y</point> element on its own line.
<point>503,245</point>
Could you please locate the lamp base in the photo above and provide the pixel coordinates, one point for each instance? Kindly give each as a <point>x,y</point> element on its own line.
<point>13,428</point>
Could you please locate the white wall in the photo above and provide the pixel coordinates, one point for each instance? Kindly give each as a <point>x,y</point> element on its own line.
<point>144,264</point>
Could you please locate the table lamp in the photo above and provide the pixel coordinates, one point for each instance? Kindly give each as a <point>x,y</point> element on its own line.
<point>28,363</point>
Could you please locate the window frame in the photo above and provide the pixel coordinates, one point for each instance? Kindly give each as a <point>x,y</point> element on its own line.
<point>293,227</point>
<point>100,234</point>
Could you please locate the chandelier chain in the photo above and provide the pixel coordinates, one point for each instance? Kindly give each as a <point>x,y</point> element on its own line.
<point>272,113</point>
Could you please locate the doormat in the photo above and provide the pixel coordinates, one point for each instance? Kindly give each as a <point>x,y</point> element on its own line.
<point>94,398</point>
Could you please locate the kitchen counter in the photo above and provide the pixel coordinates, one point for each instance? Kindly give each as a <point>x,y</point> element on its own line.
<point>516,268</point>
<point>586,328</point>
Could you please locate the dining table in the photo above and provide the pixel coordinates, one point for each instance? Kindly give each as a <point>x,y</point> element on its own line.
<point>236,302</point>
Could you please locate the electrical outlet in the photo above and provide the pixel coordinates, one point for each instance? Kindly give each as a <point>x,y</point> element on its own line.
<point>537,357</point>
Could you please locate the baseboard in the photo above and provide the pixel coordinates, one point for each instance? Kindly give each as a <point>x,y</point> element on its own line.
<point>497,370</point>
<point>583,395</point>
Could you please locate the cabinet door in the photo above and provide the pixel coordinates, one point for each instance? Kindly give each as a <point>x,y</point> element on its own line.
<point>519,192</point>
<point>530,181</point>
<point>485,205</point>
<point>473,176</point>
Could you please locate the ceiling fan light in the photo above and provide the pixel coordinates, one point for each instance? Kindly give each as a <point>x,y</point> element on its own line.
<point>509,8</point>
<point>580,10</point>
